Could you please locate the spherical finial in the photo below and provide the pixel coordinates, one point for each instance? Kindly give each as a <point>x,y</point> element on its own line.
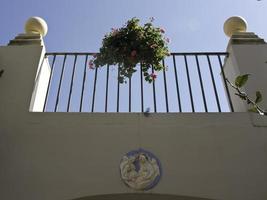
<point>234,24</point>
<point>36,25</point>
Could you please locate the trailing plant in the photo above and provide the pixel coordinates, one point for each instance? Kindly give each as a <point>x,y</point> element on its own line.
<point>133,44</point>
<point>240,81</point>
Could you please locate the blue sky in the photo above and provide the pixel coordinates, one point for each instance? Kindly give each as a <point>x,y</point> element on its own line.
<point>79,26</point>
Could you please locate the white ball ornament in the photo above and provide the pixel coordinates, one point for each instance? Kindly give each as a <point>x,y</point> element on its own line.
<point>36,25</point>
<point>234,24</point>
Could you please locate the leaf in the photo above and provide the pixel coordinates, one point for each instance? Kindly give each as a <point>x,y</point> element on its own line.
<point>242,96</point>
<point>1,72</point>
<point>254,109</point>
<point>241,80</point>
<point>121,79</point>
<point>258,97</point>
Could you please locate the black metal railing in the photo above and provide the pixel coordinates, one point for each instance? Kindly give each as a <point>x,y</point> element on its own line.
<point>191,82</point>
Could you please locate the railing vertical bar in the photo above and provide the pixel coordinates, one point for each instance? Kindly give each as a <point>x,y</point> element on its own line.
<point>60,82</point>
<point>118,91</point>
<point>189,84</point>
<point>226,85</point>
<point>201,84</point>
<point>93,101</point>
<point>71,83</point>
<point>130,93</point>
<point>177,84</point>
<point>49,82</point>
<point>165,87</point>
<point>107,80</point>
<point>213,83</point>
<point>154,92</point>
<point>83,81</point>
<point>142,89</point>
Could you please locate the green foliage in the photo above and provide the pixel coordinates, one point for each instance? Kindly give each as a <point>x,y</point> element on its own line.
<point>253,109</point>
<point>258,97</point>
<point>131,45</point>
<point>241,80</point>
<point>1,72</point>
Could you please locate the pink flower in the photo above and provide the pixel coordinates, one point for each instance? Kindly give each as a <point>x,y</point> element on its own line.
<point>91,65</point>
<point>153,76</point>
<point>133,53</point>
<point>162,30</point>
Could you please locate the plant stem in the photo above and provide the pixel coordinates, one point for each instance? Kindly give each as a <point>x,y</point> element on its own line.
<point>247,98</point>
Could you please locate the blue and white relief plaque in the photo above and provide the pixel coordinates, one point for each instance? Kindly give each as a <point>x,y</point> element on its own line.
<point>140,169</point>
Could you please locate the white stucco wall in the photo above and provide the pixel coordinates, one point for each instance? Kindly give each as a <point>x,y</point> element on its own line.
<point>248,59</point>
<point>68,155</point>
<point>62,156</point>
<point>40,86</point>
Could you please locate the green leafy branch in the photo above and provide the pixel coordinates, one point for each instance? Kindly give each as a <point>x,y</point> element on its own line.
<point>240,81</point>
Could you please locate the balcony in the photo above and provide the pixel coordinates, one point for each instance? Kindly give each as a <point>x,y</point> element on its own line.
<point>81,124</point>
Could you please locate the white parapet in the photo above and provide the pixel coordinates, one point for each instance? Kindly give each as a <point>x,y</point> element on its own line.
<point>247,55</point>
<point>41,86</point>
<point>26,53</point>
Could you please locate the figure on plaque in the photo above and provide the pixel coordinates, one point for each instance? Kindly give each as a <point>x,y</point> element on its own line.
<point>139,171</point>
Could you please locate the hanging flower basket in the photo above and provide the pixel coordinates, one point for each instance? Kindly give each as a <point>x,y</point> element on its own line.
<point>131,45</point>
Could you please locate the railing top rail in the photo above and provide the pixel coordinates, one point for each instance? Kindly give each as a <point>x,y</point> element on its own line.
<point>174,53</point>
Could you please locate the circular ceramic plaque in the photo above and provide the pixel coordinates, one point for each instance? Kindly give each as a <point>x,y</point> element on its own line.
<point>140,169</point>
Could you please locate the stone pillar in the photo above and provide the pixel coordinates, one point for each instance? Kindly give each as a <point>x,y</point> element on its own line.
<point>26,71</point>
<point>247,55</point>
